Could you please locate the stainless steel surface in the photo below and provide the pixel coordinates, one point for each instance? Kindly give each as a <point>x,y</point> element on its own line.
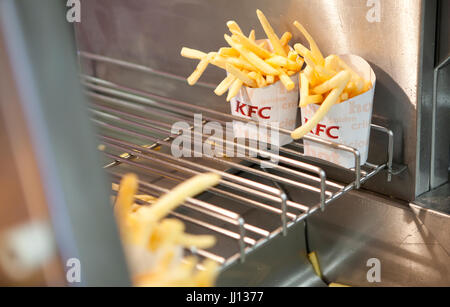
<point>40,49</point>
<point>424,117</point>
<point>440,150</point>
<point>152,34</point>
<point>433,210</point>
<point>361,226</point>
<point>269,267</point>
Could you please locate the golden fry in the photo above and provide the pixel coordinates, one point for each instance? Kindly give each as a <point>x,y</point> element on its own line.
<point>179,194</point>
<point>251,57</point>
<point>317,55</point>
<point>331,83</point>
<point>234,89</point>
<point>270,79</point>
<point>224,85</point>
<point>240,63</point>
<point>276,44</point>
<point>286,80</point>
<point>206,277</point>
<point>125,198</point>
<point>277,60</point>
<point>192,53</point>
<point>304,89</point>
<point>252,36</point>
<point>314,99</point>
<point>240,75</point>
<point>252,46</point>
<point>331,99</point>
<point>233,26</point>
<point>201,67</point>
<point>198,241</point>
<point>225,51</point>
<point>285,38</point>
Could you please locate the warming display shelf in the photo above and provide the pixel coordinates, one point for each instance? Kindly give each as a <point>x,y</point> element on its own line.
<point>251,204</point>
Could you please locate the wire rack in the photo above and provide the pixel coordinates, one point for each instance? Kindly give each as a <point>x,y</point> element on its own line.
<point>252,203</point>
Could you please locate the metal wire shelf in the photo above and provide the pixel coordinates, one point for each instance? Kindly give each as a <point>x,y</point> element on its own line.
<point>250,206</point>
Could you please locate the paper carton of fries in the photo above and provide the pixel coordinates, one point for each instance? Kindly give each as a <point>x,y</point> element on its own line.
<point>273,105</point>
<point>346,123</point>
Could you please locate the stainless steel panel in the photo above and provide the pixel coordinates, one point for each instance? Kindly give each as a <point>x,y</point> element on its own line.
<point>152,33</point>
<point>40,48</point>
<point>440,151</point>
<point>433,210</point>
<point>362,226</point>
<point>268,267</point>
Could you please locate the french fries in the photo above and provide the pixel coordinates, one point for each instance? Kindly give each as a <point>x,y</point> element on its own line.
<point>325,81</point>
<point>162,236</point>
<point>240,75</point>
<point>249,62</point>
<point>274,40</point>
<point>224,85</point>
<point>284,40</point>
<point>192,53</point>
<point>331,99</point>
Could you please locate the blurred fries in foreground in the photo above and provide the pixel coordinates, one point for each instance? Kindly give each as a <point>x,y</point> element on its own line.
<point>146,228</point>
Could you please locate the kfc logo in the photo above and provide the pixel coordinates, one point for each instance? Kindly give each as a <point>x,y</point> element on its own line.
<point>247,110</point>
<point>321,129</point>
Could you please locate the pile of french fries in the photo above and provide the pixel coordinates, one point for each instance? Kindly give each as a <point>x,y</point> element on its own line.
<point>145,228</point>
<point>249,62</point>
<point>324,81</point>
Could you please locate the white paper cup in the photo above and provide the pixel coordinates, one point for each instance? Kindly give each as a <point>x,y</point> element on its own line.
<point>273,105</point>
<point>346,123</point>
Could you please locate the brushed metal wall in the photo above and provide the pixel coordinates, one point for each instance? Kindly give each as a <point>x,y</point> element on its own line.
<point>151,33</point>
